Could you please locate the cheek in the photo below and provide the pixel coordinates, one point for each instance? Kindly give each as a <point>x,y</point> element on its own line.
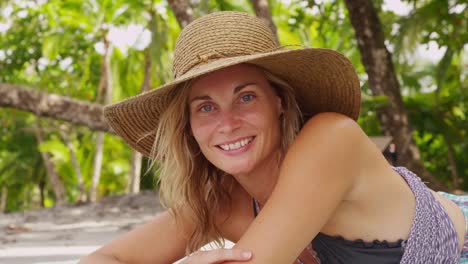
<point>201,132</point>
<point>263,117</point>
<point>269,123</point>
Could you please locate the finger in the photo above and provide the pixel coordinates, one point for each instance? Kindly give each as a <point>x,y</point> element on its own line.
<point>223,254</point>
<point>218,256</point>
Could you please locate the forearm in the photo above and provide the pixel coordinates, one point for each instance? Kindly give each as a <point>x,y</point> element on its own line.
<point>158,241</point>
<point>99,258</point>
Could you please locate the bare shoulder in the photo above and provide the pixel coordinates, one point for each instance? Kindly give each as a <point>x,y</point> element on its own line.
<point>325,141</point>
<point>334,131</point>
<point>341,131</point>
<point>335,139</point>
<point>335,123</point>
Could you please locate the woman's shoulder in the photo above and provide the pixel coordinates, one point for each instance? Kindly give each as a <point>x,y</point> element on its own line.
<point>339,130</point>
<point>340,139</point>
<point>332,144</point>
<point>334,129</point>
<point>331,120</point>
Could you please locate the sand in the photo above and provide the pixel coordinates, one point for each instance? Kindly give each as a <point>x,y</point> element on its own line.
<point>61,235</point>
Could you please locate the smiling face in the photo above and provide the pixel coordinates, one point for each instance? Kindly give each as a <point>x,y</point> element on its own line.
<point>234,117</point>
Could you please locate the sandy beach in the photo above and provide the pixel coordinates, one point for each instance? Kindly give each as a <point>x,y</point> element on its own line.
<point>61,235</point>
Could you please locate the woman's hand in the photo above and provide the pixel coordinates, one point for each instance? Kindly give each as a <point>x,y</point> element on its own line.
<point>218,256</point>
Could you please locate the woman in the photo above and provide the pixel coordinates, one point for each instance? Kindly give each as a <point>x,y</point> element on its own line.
<point>233,164</point>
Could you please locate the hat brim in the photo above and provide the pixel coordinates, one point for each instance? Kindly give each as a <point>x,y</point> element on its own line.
<point>324,81</point>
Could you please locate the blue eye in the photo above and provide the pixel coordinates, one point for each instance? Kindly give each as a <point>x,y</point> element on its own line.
<point>247,98</point>
<point>206,108</point>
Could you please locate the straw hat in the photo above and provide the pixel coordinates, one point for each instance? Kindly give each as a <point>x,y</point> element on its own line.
<point>324,80</point>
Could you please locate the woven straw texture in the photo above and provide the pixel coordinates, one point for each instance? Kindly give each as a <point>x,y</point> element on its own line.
<point>324,80</point>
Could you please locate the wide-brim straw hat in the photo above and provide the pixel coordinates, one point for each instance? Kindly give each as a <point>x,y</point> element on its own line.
<point>323,79</point>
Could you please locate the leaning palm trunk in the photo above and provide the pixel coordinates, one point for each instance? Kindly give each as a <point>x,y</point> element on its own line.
<point>55,106</point>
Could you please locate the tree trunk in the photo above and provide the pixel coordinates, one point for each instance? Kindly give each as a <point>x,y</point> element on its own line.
<point>106,81</point>
<point>4,191</point>
<point>135,172</point>
<point>54,178</point>
<point>262,10</point>
<point>4,197</point>
<point>182,11</point>
<point>97,165</point>
<point>383,81</point>
<point>42,192</point>
<point>135,165</point>
<point>55,106</point>
<point>76,166</point>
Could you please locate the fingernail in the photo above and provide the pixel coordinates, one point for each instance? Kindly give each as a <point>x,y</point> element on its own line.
<point>246,254</point>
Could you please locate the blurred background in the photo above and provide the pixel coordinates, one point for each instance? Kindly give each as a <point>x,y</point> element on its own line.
<point>61,61</point>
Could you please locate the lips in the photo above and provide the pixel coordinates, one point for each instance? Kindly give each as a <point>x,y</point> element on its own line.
<point>236,144</point>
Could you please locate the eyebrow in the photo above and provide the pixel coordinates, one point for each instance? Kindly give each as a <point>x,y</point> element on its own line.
<point>236,90</point>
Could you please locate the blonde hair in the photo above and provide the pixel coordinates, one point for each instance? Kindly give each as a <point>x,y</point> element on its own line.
<point>188,178</point>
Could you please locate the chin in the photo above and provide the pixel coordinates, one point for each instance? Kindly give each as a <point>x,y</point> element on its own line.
<point>233,165</point>
<point>236,169</point>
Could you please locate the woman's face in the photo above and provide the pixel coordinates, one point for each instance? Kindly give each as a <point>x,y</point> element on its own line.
<point>234,116</point>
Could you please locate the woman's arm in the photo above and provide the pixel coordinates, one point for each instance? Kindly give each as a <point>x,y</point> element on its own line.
<point>317,174</point>
<point>159,241</point>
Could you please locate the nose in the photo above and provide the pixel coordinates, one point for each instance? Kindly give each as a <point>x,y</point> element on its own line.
<point>228,121</point>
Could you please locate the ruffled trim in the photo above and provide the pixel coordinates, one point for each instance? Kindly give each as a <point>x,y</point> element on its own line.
<point>359,243</point>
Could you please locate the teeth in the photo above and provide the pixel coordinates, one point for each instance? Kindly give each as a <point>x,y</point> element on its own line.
<point>243,142</point>
<point>236,145</point>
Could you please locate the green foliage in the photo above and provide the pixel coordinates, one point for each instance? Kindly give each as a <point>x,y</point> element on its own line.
<point>208,6</point>
<point>19,158</point>
<point>116,160</point>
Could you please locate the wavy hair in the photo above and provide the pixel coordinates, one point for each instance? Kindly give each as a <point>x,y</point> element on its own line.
<point>187,178</point>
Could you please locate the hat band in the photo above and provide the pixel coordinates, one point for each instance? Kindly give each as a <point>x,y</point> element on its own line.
<point>215,55</point>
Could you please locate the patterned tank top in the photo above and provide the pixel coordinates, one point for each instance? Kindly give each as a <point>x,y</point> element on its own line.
<point>432,238</point>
